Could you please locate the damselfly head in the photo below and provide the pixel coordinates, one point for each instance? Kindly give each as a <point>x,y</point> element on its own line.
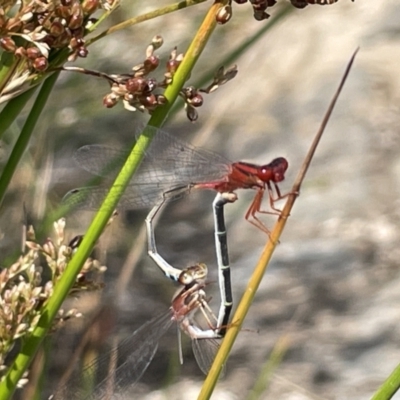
<point>274,171</point>
<point>193,273</point>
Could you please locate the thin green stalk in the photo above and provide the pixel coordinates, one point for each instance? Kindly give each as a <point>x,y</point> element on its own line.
<point>273,362</point>
<point>26,133</point>
<point>145,17</point>
<point>13,108</point>
<point>50,309</point>
<point>8,64</point>
<point>389,388</point>
<point>103,17</point>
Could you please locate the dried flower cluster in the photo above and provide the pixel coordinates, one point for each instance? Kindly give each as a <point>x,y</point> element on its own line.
<point>31,30</point>
<point>23,290</point>
<point>140,91</point>
<point>260,7</point>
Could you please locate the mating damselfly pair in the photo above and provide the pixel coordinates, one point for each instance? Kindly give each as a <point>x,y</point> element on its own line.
<point>170,169</point>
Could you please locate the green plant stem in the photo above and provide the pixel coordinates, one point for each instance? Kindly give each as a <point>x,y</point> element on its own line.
<point>8,65</point>
<point>13,108</point>
<point>26,133</point>
<point>273,362</point>
<point>50,309</point>
<point>145,17</point>
<point>391,385</point>
<point>103,17</point>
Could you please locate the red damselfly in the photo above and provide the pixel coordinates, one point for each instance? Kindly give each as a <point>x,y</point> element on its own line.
<point>176,167</point>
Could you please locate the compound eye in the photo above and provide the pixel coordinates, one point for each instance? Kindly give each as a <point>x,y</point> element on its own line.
<point>186,278</point>
<point>279,167</point>
<point>265,173</point>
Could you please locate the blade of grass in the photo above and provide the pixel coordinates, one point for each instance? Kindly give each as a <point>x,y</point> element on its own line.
<point>278,352</point>
<point>13,108</point>
<point>50,309</point>
<point>388,388</point>
<point>8,64</point>
<point>255,279</point>
<point>26,133</point>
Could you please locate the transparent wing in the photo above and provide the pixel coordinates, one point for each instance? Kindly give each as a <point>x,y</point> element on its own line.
<point>139,196</point>
<point>166,158</point>
<point>167,164</point>
<point>204,351</point>
<point>137,352</point>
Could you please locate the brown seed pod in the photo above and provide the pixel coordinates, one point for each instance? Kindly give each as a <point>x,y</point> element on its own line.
<point>148,101</point>
<point>135,85</point>
<point>75,21</point>
<point>110,100</point>
<point>196,101</point>
<point>8,44</point>
<point>33,52</point>
<point>76,42</point>
<point>151,63</point>
<point>172,66</point>
<point>224,14</point>
<point>40,63</point>
<point>57,29</point>
<point>90,6</point>
<point>63,12</point>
